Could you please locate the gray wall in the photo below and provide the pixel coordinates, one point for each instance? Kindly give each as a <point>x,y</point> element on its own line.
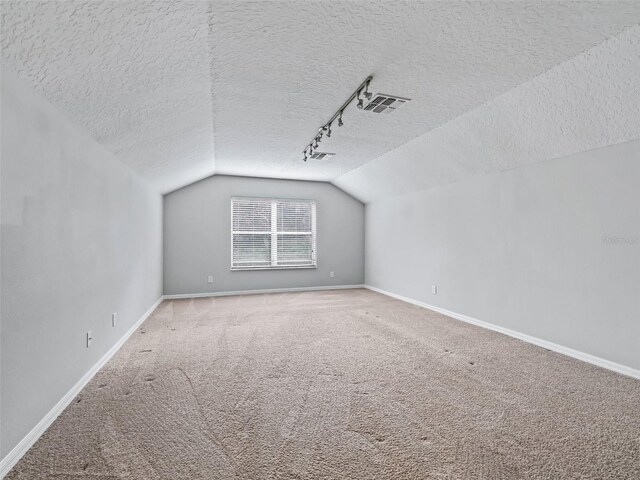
<point>81,238</point>
<point>530,249</point>
<point>197,240</point>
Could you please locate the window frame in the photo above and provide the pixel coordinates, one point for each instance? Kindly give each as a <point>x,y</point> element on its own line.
<point>274,233</point>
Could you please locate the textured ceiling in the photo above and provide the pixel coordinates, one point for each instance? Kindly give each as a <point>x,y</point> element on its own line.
<point>161,83</point>
<point>587,102</point>
<point>136,74</point>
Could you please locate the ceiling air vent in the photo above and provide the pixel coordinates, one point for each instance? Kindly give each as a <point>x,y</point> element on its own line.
<point>383,103</point>
<point>321,155</point>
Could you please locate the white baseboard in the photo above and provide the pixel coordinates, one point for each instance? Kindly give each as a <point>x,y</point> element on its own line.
<point>585,357</point>
<point>254,292</point>
<point>8,462</point>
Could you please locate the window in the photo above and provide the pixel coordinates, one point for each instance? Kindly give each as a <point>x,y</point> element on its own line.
<point>269,233</point>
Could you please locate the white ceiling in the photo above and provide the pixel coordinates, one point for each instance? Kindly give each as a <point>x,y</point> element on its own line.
<point>136,74</point>
<point>587,102</point>
<point>180,90</point>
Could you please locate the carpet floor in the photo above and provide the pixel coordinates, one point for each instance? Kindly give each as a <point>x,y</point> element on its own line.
<point>344,384</point>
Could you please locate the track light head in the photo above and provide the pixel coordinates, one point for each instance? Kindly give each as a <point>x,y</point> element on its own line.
<point>340,122</point>
<point>329,131</point>
<point>360,104</point>
<point>367,94</point>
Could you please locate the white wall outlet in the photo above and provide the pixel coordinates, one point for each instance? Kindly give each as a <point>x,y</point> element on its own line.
<point>210,279</point>
<point>332,274</point>
<point>434,289</point>
<point>89,338</point>
<point>113,319</point>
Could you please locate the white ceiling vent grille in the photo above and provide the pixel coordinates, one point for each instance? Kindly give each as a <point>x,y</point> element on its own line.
<point>321,155</point>
<point>383,103</point>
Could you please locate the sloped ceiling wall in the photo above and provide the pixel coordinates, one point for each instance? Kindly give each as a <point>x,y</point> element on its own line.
<point>135,74</point>
<point>589,101</point>
<point>180,90</point>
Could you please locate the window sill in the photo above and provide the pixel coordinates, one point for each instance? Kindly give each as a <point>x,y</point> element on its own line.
<point>301,267</point>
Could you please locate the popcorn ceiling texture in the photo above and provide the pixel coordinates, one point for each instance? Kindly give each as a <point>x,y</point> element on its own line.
<point>136,74</point>
<point>346,384</point>
<point>290,68</point>
<point>159,83</point>
<point>587,102</point>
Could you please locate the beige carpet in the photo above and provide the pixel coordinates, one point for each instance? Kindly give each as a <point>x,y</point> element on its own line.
<point>345,384</point>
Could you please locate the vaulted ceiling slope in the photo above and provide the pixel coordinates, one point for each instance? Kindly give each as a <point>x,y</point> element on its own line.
<point>179,90</point>
<point>136,74</point>
<point>587,102</point>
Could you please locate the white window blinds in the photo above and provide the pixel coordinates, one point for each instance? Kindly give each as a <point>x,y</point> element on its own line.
<point>272,233</point>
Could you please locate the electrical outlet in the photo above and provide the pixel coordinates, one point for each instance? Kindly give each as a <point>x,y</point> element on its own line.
<point>89,338</point>
<point>210,279</point>
<point>434,289</point>
<point>113,319</point>
<point>332,274</point>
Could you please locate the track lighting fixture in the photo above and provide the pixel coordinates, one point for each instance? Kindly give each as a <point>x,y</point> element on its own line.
<point>363,89</point>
